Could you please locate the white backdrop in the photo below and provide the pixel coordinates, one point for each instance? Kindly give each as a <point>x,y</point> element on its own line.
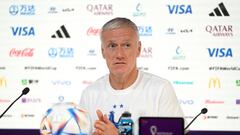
<point>181,42</point>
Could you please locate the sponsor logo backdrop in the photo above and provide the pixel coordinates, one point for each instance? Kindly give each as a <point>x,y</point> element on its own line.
<point>53,47</point>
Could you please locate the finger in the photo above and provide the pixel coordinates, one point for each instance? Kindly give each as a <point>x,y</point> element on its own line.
<point>106,120</point>
<point>99,125</point>
<point>99,114</point>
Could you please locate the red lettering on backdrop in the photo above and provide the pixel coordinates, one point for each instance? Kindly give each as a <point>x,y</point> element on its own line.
<point>27,52</point>
<point>93,32</point>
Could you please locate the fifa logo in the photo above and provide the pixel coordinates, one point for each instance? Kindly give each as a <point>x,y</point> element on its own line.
<point>3,82</point>
<point>214,83</point>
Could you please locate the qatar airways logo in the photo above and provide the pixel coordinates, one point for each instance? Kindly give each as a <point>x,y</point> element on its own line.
<point>93,31</point>
<point>27,52</point>
<point>100,9</point>
<point>146,52</point>
<point>220,30</point>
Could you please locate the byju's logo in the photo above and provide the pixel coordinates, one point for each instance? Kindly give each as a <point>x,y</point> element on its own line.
<point>23,31</point>
<point>219,11</point>
<point>180,9</point>
<point>220,52</point>
<point>61,33</point>
<point>22,10</point>
<point>61,52</point>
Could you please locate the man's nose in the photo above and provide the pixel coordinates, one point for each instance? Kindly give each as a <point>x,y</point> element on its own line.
<point>120,52</point>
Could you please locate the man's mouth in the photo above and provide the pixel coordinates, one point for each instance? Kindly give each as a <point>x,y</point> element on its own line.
<point>119,63</point>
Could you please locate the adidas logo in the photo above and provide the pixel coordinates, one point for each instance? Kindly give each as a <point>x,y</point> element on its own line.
<point>61,33</point>
<point>220,11</point>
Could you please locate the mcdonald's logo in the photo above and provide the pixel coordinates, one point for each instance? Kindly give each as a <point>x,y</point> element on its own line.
<point>3,82</point>
<point>214,83</point>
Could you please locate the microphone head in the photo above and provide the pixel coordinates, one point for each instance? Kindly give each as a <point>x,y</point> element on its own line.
<point>25,91</point>
<point>204,110</point>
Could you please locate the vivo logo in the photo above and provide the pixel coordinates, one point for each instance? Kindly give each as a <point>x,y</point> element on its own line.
<point>220,52</point>
<point>180,9</point>
<point>186,102</point>
<point>60,82</point>
<point>23,31</point>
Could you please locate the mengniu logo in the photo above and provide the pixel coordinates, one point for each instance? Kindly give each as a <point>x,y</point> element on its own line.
<point>220,52</point>
<point>29,81</point>
<point>238,83</point>
<point>3,82</point>
<point>180,9</point>
<point>61,33</point>
<point>22,10</point>
<point>23,31</point>
<point>214,83</point>
<point>219,11</point>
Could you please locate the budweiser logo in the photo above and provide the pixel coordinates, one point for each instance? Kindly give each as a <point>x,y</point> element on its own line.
<point>93,32</point>
<point>27,52</point>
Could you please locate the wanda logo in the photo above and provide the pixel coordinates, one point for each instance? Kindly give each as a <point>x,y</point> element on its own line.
<point>93,32</point>
<point>27,52</point>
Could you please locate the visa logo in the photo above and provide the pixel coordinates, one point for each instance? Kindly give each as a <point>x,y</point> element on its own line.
<point>179,9</point>
<point>23,31</point>
<point>220,52</point>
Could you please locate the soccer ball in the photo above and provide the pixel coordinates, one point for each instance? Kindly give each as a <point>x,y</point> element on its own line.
<point>65,119</point>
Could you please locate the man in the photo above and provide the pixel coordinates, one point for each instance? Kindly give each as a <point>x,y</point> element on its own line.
<point>125,88</point>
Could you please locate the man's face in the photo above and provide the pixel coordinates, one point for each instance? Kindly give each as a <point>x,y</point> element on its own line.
<point>120,48</point>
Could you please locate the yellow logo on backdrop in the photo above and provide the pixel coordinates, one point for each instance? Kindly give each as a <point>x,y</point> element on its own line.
<point>214,83</point>
<point>3,82</point>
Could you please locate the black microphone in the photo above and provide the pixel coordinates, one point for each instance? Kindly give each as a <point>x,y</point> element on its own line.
<point>203,111</point>
<point>24,92</point>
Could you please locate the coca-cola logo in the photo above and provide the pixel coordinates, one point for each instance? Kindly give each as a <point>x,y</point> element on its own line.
<point>93,31</point>
<point>27,52</point>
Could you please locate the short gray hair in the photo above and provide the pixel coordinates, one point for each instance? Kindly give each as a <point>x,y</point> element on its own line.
<point>119,22</point>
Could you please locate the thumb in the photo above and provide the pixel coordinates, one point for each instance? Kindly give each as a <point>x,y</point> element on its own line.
<point>99,114</point>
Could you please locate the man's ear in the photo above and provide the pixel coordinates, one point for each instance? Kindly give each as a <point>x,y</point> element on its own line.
<point>139,48</point>
<point>103,54</point>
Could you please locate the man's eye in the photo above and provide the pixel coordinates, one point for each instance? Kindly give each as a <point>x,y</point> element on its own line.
<point>112,45</point>
<point>127,45</point>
